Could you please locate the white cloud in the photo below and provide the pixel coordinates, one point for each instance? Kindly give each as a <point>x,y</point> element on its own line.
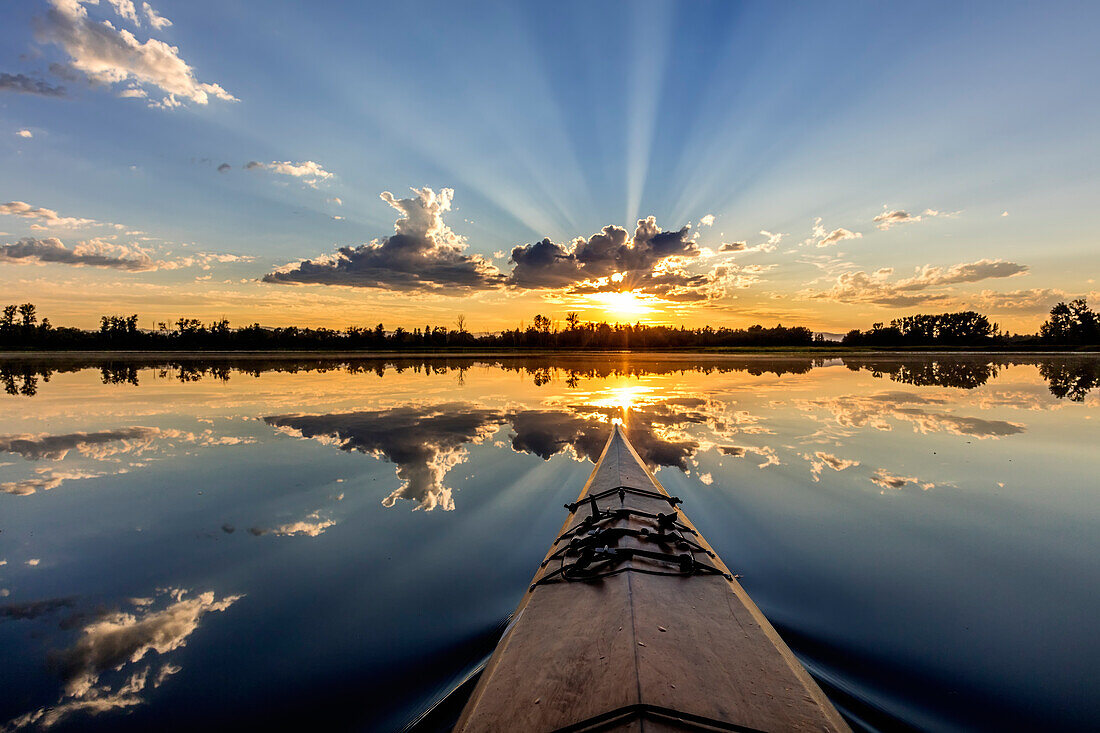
<point>125,10</point>
<point>707,220</point>
<point>336,200</point>
<point>110,55</point>
<point>771,243</point>
<point>889,218</point>
<point>838,235</point>
<point>157,21</point>
<point>423,254</point>
<point>43,217</point>
<point>24,133</point>
<point>309,172</point>
<point>819,237</point>
<point>877,288</point>
<point>100,253</point>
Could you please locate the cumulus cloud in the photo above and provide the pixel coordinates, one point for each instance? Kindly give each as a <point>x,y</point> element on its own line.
<point>23,84</point>
<point>732,247</point>
<point>224,167</point>
<point>309,172</point>
<point>422,255</point>
<point>861,287</point>
<point>43,217</point>
<point>93,253</point>
<point>707,220</point>
<point>650,262</point>
<point>24,133</point>
<point>109,55</point>
<point>100,253</point>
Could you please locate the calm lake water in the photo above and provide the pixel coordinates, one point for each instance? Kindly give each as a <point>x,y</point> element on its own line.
<point>197,545</point>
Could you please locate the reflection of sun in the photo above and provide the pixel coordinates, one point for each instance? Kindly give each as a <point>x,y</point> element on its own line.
<point>622,397</point>
<point>622,304</point>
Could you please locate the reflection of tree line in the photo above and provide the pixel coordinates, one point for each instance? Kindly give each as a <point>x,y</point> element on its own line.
<point>1071,378</point>
<point>1068,377</point>
<point>963,374</point>
<point>22,377</point>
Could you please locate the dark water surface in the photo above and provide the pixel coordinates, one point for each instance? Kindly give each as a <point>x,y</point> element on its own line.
<point>206,545</point>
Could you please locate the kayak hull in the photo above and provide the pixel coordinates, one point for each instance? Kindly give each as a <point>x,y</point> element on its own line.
<point>653,642</point>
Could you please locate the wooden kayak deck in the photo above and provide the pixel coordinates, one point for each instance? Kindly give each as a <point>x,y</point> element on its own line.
<point>633,624</point>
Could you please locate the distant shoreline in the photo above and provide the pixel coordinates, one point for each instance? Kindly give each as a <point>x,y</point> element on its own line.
<point>745,351</point>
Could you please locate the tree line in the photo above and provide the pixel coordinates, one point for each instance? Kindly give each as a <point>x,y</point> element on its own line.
<point>1073,324</point>
<point>19,329</point>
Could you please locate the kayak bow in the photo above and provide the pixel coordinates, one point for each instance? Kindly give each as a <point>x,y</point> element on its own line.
<point>633,623</point>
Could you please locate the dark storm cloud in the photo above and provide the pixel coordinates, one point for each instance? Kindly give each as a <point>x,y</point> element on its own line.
<point>422,255</point>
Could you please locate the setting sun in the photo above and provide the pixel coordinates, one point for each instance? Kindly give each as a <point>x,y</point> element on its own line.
<point>622,304</point>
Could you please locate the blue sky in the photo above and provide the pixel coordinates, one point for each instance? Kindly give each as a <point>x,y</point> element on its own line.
<point>556,120</point>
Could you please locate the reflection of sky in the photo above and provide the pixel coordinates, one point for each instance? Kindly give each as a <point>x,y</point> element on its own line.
<point>901,531</point>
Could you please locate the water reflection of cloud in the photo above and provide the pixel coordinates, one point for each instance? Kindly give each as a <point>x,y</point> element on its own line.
<point>820,459</point>
<point>99,671</point>
<point>104,444</point>
<point>312,525</point>
<point>44,480</point>
<point>887,480</point>
<point>875,411</point>
<point>56,447</point>
<point>425,442</point>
